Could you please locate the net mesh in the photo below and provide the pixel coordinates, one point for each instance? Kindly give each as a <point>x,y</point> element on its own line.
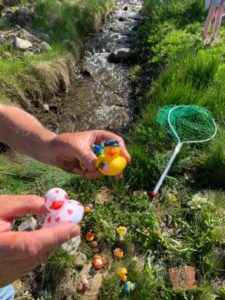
<point>190,122</point>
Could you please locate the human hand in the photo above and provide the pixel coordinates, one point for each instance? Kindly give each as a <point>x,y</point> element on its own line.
<point>20,252</point>
<point>68,150</point>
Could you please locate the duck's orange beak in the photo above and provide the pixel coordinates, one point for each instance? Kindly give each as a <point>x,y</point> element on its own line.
<point>112,152</point>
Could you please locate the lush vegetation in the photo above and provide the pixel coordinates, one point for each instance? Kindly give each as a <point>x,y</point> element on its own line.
<point>185,225</point>
<point>64,25</point>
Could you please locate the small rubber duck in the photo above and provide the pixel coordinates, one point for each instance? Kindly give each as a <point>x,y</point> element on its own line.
<point>130,287</point>
<point>109,161</point>
<point>61,209</point>
<point>122,273</point>
<point>88,208</point>
<point>98,262</point>
<point>89,236</point>
<point>118,253</point>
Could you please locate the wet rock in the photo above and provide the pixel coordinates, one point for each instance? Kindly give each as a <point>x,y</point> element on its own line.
<point>86,73</point>
<point>121,19</point>
<point>119,55</point>
<point>183,277</point>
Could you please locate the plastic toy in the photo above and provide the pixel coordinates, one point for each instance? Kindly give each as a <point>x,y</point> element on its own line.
<point>61,208</point>
<point>118,253</point>
<point>121,230</point>
<point>122,273</point>
<point>98,262</point>
<point>89,236</point>
<point>109,161</point>
<point>88,208</point>
<point>130,287</point>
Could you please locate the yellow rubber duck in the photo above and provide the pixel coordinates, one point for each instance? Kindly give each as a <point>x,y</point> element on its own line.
<point>122,273</point>
<point>109,161</point>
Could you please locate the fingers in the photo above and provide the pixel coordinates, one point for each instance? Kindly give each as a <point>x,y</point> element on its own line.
<point>106,135</point>
<point>88,158</point>
<point>75,167</point>
<point>12,206</point>
<point>5,226</point>
<point>49,238</point>
<point>36,245</point>
<point>86,174</point>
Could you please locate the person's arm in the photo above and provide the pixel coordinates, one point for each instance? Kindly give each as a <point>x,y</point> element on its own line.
<point>24,133</point>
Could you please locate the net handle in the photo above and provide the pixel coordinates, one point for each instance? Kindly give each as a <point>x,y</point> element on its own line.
<point>161,179</point>
<point>176,151</point>
<point>194,141</point>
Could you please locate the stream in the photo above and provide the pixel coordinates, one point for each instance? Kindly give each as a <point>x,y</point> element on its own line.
<point>100,96</point>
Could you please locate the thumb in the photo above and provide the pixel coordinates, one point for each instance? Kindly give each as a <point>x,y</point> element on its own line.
<point>24,245</point>
<point>57,235</point>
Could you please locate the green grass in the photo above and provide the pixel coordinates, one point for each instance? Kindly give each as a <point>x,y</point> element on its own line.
<point>185,225</point>
<point>66,23</point>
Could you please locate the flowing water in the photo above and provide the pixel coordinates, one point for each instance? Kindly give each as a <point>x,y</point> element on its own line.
<point>100,95</point>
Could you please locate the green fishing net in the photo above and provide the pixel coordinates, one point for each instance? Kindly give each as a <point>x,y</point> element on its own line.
<point>188,123</point>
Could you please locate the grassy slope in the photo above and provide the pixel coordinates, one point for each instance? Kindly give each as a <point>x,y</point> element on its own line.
<point>66,23</point>
<point>186,225</point>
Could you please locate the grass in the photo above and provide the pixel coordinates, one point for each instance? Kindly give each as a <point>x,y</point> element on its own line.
<point>185,225</point>
<point>66,23</point>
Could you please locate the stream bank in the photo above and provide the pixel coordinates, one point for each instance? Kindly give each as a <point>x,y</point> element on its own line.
<point>99,96</point>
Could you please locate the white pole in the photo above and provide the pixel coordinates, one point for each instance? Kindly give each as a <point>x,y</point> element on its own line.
<point>158,185</point>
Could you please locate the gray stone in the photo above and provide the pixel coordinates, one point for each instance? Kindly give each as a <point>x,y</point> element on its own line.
<point>28,225</point>
<point>72,245</point>
<point>80,260</point>
<point>46,107</point>
<point>119,55</point>
<point>45,46</point>
<point>2,38</point>
<point>44,36</point>
<point>22,44</point>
